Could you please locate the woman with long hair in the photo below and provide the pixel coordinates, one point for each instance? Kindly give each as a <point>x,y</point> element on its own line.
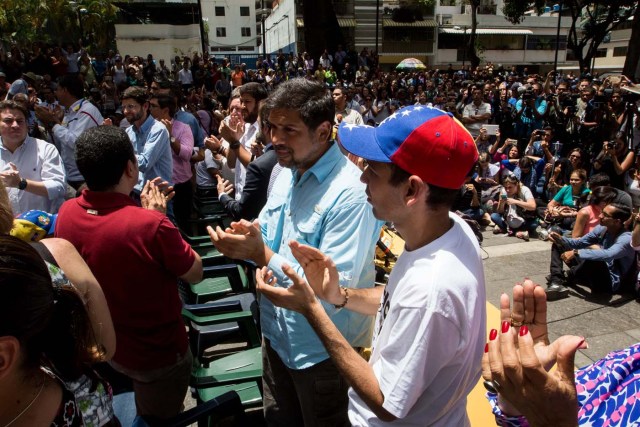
<point>515,213</point>
<point>68,330</point>
<point>46,340</point>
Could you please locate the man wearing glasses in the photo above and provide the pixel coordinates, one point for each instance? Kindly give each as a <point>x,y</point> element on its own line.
<point>602,259</point>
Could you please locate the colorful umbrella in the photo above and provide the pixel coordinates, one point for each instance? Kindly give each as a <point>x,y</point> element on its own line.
<point>411,64</point>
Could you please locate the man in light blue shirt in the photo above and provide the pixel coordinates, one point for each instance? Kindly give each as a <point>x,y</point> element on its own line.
<point>318,200</point>
<point>149,137</point>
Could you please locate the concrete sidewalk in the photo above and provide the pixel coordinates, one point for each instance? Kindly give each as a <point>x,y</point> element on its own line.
<point>608,322</point>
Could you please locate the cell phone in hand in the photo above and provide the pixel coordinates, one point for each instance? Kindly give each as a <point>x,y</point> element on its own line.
<point>491,129</point>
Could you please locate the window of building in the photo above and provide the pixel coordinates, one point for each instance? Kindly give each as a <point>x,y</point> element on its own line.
<point>487,41</point>
<point>620,51</point>
<point>221,32</point>
<point>246,31</point>
<point>244,10</point>
<point>546,43</point>
<point>601,53</point>
<point>501,42</point>
<point>219,10</point>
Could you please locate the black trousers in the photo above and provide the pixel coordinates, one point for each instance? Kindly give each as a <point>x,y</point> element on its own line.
<point>182,203</point>
<point>594,274</point>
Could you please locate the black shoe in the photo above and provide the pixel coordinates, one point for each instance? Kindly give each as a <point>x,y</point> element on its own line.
<point>556,291</point>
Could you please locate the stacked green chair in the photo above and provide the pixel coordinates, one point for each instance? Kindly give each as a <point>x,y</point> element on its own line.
<point>209,325</point>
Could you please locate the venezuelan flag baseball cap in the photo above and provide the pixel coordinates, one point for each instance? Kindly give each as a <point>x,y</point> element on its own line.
<point>423,141</point>
<point>33,225</point>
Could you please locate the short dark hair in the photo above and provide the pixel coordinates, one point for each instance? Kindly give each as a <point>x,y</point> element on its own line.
<point>136,93</point>
<point>13,105</point>
<point>622,212</point>
<point>73,84</point>
<point>254,90</point>
<point>310,99</point>
<point>166,101</point>
<point>599,180</point>
<point>102,154</point>
<point>602,194</point>
<point>438,196</point>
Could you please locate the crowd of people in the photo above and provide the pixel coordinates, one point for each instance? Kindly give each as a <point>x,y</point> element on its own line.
<point>107,152</point>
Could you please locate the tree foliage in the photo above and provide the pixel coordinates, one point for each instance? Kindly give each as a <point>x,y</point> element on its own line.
<point>57,21</point>
<point>591,21</point>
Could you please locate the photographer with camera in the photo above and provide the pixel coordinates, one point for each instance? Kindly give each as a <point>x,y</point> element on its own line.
<point>562,115</point>
<point>530,112</point>
<point>590,121</point>
<point>615,160</point>
<point>542,145</point>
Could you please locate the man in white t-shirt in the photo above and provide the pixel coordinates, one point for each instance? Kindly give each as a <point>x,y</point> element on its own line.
<point>430,318</point>
<point>477,113</point>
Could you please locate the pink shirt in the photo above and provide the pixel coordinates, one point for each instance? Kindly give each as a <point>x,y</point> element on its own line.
<point>182,161</point>
<point>594,218</point>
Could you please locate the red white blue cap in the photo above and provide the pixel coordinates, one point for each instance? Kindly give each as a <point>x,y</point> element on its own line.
<point>423,141</point>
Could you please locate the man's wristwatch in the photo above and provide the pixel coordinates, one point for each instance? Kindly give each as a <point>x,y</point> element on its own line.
<point>235,145</point>
<point>22,184</point>
<point>575,252</point>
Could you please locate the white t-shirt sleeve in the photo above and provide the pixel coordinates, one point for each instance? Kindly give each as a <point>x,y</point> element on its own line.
<point>526,193</point>
<point>409,366</point>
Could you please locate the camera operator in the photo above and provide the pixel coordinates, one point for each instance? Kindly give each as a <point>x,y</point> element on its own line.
<point>618,108</point>
<point>589,121</point>
<point>562,115</point>
<point>543,145</point>
<point>505,112</point>
<point>530,112</point>
<point>615,160</point>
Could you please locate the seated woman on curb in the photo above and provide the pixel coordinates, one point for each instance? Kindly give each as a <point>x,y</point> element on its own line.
<point>522,390</point>
<point>515,213</point>
<point>563,208</point>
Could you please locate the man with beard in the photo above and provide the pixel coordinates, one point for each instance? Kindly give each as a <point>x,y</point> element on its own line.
<point>240,137</point>
<point>317,199</point>
<point>149,137</point>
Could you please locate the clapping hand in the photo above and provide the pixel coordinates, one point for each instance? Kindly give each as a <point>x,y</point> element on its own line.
<point>224,186</point>
<point>153,198</point>
<point>517,362</point>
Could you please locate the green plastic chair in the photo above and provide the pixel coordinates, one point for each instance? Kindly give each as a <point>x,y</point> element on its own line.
<point>241,371</point>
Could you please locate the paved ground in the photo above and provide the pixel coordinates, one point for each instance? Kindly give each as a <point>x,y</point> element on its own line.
<point>608,322</point>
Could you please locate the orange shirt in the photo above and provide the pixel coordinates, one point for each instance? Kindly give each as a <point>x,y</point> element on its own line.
<point>236,78</point>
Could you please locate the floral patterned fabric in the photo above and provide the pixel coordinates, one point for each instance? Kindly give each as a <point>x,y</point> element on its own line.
<point>608,392</point>
<point>92,401</point>
<point>68,413</point>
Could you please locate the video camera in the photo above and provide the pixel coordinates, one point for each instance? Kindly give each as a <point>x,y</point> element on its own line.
<point>528,95</point>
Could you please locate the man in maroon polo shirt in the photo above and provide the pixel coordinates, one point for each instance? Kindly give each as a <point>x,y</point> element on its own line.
<point>137,255</point>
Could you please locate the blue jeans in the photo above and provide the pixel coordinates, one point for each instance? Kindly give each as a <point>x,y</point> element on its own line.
<point>475,213</point>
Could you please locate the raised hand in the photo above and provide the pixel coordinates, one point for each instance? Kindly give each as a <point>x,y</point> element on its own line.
<point>297,297</point>
<point>319,270</point>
